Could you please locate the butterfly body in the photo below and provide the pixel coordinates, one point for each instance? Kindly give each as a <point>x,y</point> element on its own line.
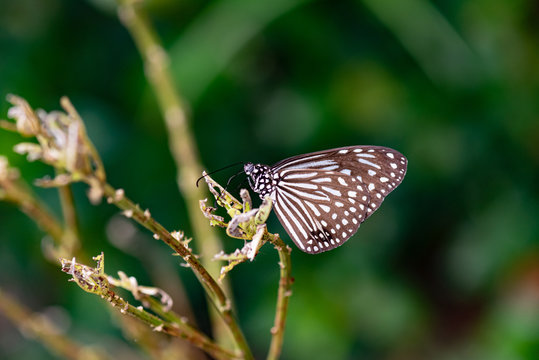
<point>321,198</point>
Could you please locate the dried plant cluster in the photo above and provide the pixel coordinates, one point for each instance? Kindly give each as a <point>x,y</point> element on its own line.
<point>59,139</point>
<point>62,142</point>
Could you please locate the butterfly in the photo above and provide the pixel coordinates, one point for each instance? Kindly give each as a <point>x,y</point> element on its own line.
<point>321,198</point>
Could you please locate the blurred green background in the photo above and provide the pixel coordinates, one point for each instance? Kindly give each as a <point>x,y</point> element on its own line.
<point>448,268</point>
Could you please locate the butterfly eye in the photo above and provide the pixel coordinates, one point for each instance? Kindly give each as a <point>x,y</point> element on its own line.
<point>321,198</point>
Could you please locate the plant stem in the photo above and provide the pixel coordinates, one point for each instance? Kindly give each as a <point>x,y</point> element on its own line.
<point>70,238</point>
<point>283,296</point>
<point>213,290</point>
<point>19,193</point>
<point>190,333</point>
<point>179,329</point>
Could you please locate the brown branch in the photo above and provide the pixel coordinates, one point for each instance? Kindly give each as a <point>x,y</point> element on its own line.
<point>71,235</point>
<point>13,189</point>
<point>213,290</point>
<point>96,281</point>
<point>283,296</point>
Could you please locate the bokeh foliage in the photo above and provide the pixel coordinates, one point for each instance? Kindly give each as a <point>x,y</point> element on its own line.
<point>449,266</point>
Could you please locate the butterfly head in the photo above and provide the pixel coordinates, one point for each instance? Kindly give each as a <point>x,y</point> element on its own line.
<point>260,178</point>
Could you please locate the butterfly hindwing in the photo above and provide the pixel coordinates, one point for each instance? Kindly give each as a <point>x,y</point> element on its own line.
<point>320,209</point>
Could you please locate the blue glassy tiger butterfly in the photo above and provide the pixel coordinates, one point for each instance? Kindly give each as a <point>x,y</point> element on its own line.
<point>321,198</point>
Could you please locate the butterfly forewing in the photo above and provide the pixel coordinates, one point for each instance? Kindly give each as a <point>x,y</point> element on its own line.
<point>321,198</point>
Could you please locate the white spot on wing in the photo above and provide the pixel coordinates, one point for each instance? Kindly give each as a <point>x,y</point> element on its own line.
<point>332,167</point>
<point>304,162</point>
<point>301,175</point>
<point>332,191</point>
<point>319,180</point>
<point>367,162</point>
<point>366,155</point>
<point>289,227</point>
<point>301,185</point>
<point>324,207</point>
<point>313,208</point>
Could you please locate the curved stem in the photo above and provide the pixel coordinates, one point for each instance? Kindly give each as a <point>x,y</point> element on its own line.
<point>212,288</point>
<point>19,193</point>
<point>283,296</point>
<point>71,236</point>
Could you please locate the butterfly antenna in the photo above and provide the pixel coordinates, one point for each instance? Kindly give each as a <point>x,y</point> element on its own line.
<point>240,184</point>
<point>231,178</point>
<point>225,189</point>
<point>223,168</point>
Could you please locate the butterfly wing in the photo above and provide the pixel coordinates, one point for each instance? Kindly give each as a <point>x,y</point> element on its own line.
<point>321,198</point>
<point>320,209</point>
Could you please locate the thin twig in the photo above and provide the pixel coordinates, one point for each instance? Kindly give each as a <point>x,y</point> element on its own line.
<point>213,290</point>
<point>16,191</point>
<point>283,296</point>
<point>71,236</point>
<point>247,221</point>
<point>96,281</point>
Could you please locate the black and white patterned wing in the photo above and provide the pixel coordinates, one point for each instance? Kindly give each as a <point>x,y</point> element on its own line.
<point>321,198</point>
<point>320,209</point>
